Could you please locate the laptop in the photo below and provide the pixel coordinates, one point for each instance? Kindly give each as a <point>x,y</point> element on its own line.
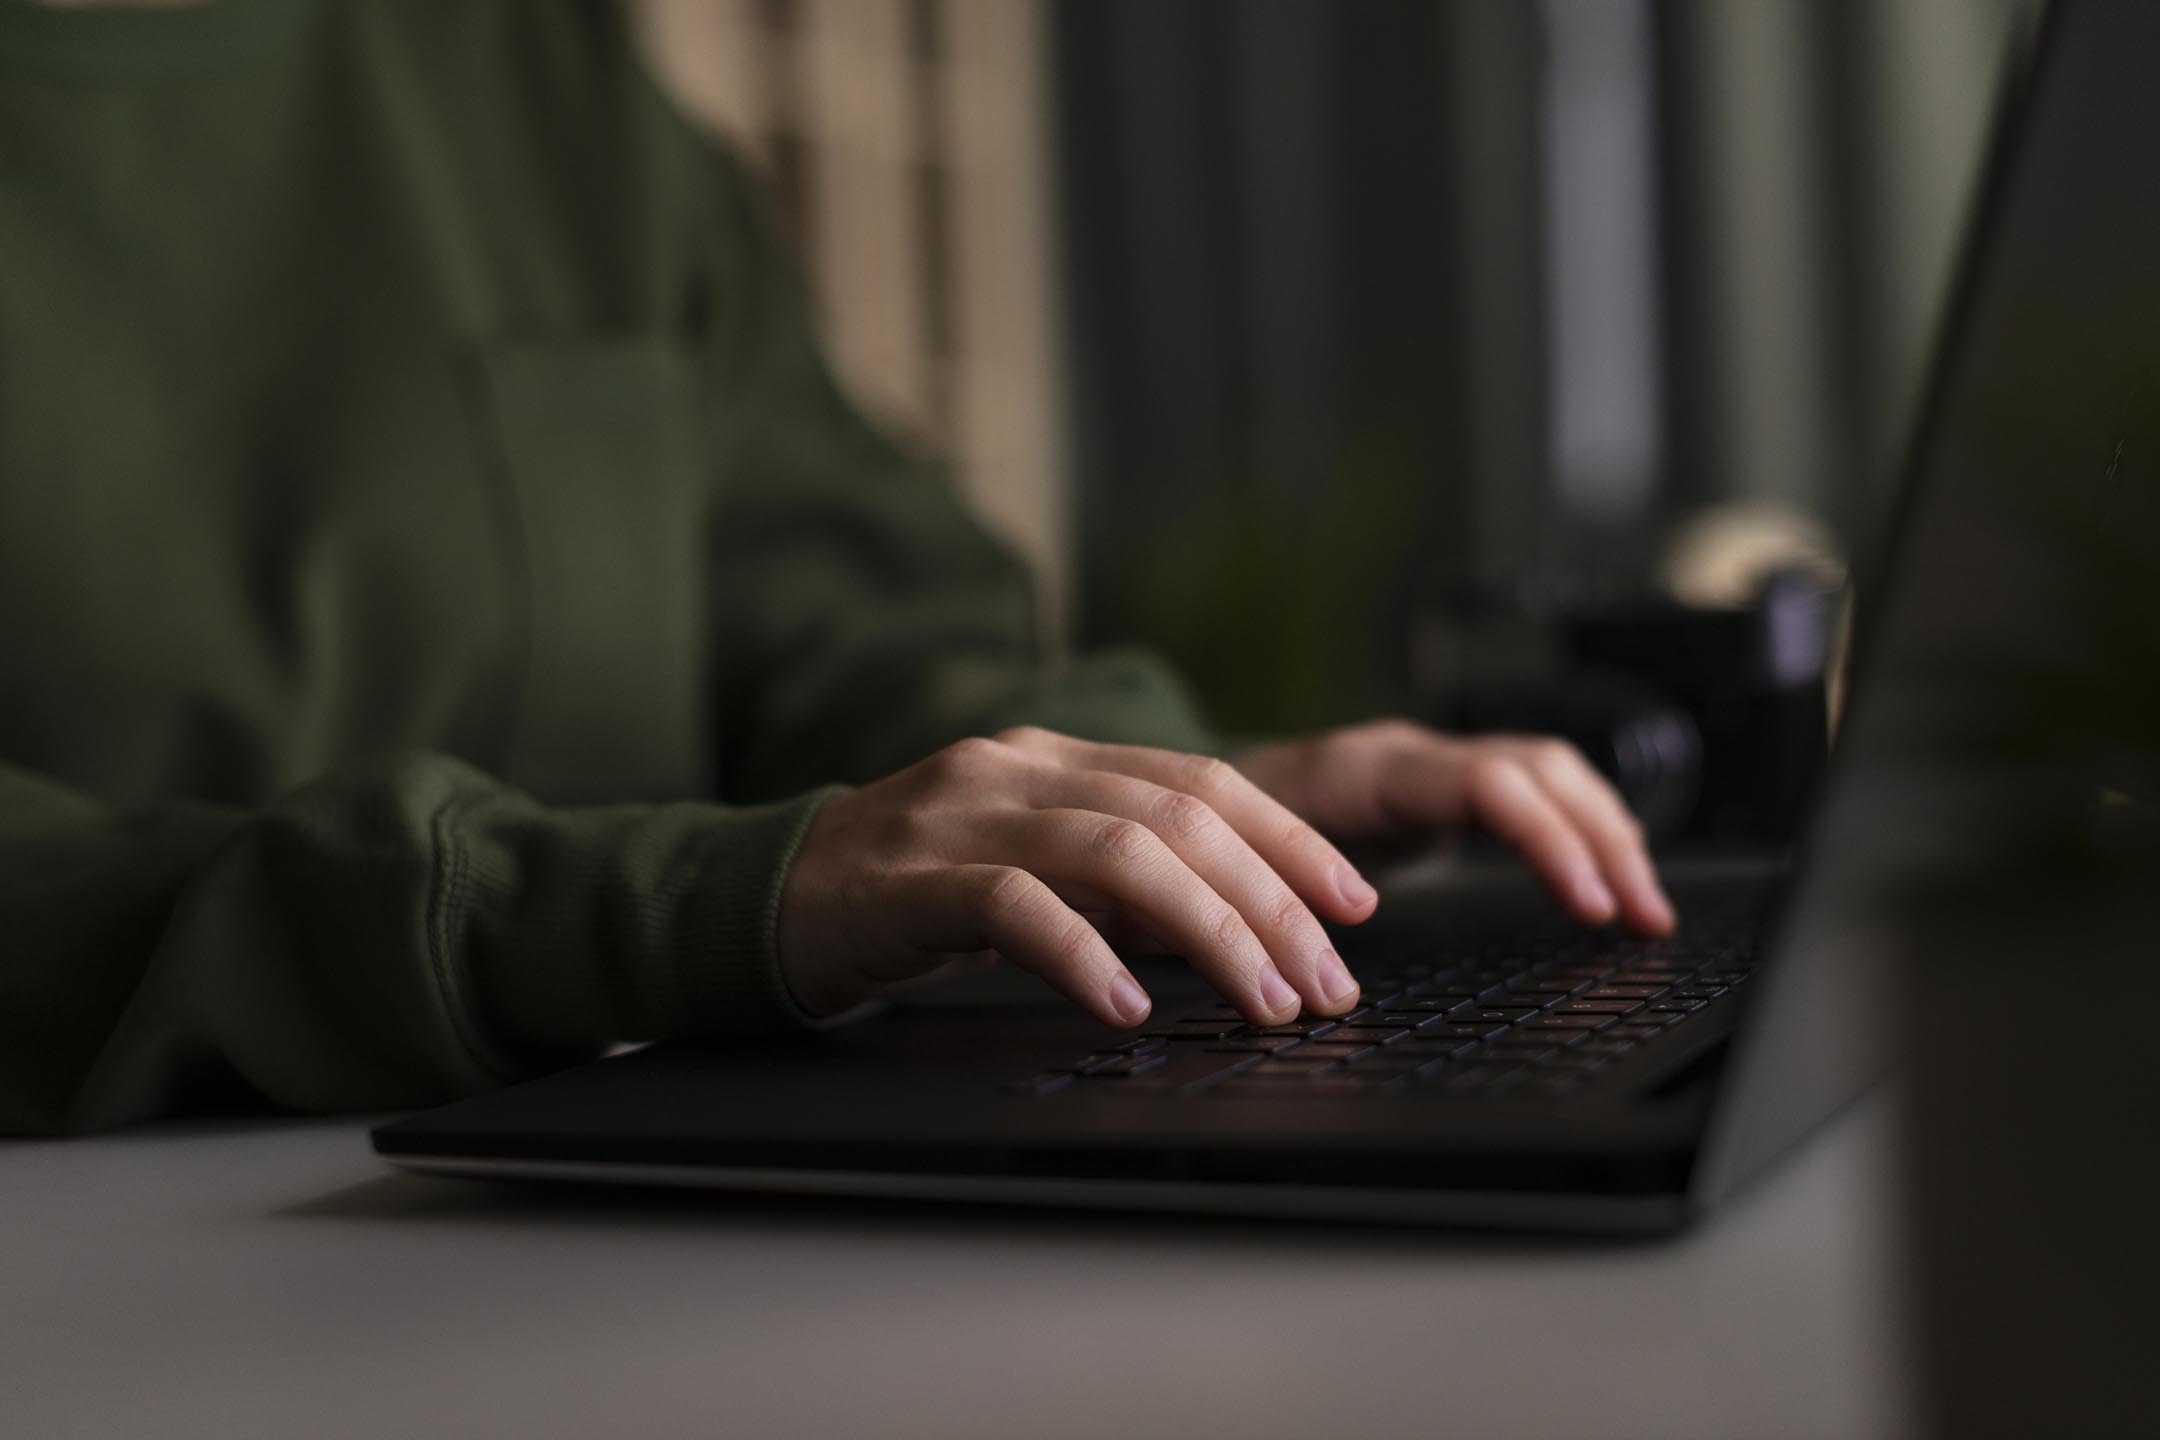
<point>1504,1069</point>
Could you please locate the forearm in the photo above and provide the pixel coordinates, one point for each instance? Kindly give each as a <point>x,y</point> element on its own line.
<point>389,937</point>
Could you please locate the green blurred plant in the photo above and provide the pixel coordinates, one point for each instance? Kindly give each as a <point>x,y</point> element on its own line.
<point>1281,606</point>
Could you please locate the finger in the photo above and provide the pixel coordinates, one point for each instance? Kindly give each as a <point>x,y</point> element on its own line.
<point>1216,852</point>
<point>1126,936</point>
<point>1603,819</point>
<point>1132,867</point>
<point>971,907</point>
<point>1297,852</point>
<point>1504,798</point>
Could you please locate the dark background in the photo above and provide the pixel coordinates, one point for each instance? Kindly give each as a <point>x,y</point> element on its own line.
<point>1350,381</point>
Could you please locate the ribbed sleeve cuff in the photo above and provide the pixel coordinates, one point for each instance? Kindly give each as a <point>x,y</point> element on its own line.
<point>727,962</point>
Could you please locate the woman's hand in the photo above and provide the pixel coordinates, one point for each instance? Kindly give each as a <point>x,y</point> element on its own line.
<point>1051,851</point>
<point>1536,793</point>
<point>1038,847</point>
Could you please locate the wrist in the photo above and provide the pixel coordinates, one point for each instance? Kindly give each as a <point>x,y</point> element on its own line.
<point>737,946</point>
<point>807,963</point>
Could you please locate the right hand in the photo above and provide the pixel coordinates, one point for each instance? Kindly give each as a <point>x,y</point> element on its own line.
<point>1037,846</point>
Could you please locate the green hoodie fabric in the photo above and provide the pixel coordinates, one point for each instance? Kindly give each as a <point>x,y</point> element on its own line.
<point>438,571</point>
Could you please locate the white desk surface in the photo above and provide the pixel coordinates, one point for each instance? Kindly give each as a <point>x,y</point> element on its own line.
<point>277,1280</point>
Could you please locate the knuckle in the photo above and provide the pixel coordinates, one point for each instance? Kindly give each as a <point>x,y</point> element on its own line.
<point>968,759</point>
<point>1205,774</point>
<point>1397,728</point>
<point>1227,931</point>
<point>1124,841</point>
<point>1186,817</point>
<point>1022,737</point>
<point>1004,890</point>
<point>1393,733</point>
<point>1488,777</point>
<point>1288,913</point>
<point>1073,947</point>
<point>1300,839</point>
<point>906,831</point>
<point>1552,754</point>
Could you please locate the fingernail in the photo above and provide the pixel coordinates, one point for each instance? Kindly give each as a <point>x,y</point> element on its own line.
<point>1355,892</point>
<point>1336,980</point>
<point>1129,1000</point>
<point>1661,910</point>
<point>1275,991</point>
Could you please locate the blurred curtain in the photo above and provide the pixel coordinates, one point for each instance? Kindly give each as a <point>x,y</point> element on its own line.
<point>906,145</point>
<point>1820,160</point>
<point>1301,243</point>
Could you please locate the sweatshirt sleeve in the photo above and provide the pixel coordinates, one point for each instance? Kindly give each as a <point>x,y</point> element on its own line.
<point>402,934</point>
<point>863,617</point>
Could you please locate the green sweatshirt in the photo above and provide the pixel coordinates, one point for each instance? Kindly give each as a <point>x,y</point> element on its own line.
<point>438,572</point>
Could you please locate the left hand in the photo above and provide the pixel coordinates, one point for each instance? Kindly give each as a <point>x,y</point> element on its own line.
<point>1539,794</point>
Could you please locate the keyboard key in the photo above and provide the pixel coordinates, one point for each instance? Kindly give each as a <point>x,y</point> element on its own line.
<point>1523,1041</point>
<point>1415,1020</point>
<point>1306,1028</point>
<point>1396,1061</point>
<point>1425,1049</point>
<point>1117,1065</point>
<point>1520,1039</point>
<point>1182,1069</point>
<point>1255,1045</point>
<point>1539,985</point>
<point>1440,1068</point>
<point>1565,1022</point>
<point>1449,1029</point>
<point>1305,1064</point>
<point>1146,1044</point>
<point>1375,1032</point>
<point>1677,1007</point>
<point>1511,1001</point>
<point>1474,1014</point>
<point>1194,1030</point>
<point>1339,1049</point>
<point>1575,976</point>
<point>1597,1007</point>
<point>1623,992</point>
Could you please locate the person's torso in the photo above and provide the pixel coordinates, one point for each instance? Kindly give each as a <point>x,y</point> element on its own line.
<point>347,403</point>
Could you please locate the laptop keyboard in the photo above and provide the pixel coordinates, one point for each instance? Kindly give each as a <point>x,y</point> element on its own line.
<point>1536,1020</point>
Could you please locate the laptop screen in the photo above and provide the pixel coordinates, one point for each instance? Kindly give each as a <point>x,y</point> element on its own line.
<point>2000,768</point>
